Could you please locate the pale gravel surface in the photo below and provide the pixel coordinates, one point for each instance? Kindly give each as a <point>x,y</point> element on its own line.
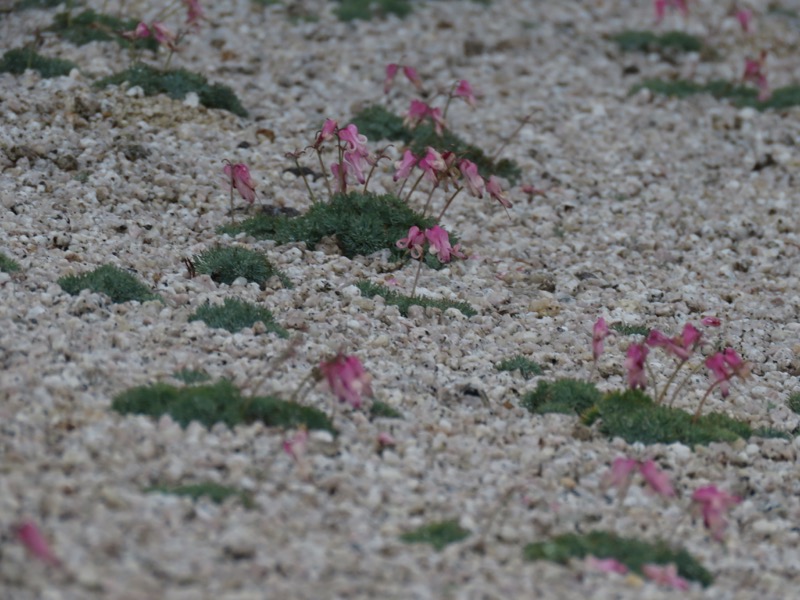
<point>657,199</point>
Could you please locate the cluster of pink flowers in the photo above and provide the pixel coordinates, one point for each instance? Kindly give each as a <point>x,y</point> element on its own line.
<point>419,111</point>
<point>666,575</point>
<point>712,503</point>
<point>755,72</point>
<point>436,237</point>
<point>354,156</point>
<point>160,33</point>
<point>347,379</point>
<point>410,73</point>
<point>660,8</point>
<point>623,469</point>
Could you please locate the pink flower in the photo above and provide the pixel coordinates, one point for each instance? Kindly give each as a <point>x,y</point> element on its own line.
<point>620,475</point>
<point>606,565</point>
<point>194,12</point>
<point>681,346</point>
<point>474,182</point>
<point>385,440</point>
<point>724,366</point>
<point>713,503</point>
<point>754,70</point>
<point>436,116</point>
<point>356,163</point>
<point>412,75</point>
<point>744,16</point>
<point>31,537</point>
<point>600,332</point>
<point>464,90</point>
<point>496,192</point>
<point>440,244</point>
<point>340,173</point>
<point>164,36</point>
<point>415,242</point>
<point>656,479</point>
<point>391,73</point>
<point>660,8</point>
<point>532,191</point>
<point>405,165</point>
<point>432,164</point>
<point>417,111</point>
<point>347,379</point>
<point>710,322</point>
<point>634,365</point>
<point>296,445</point>
<point>666,575</point>
<point>327,133</point>
<point>140,33</point>
<point>239,177</point>
<point>356,142</point>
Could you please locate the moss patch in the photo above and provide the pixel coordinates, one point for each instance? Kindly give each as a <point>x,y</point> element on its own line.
<point>227,264</point>
<point>437,535</point>
<point>90,26</point>
<point>567,396</point>
<point>190,376</point>
<point>219,402</point>
<point>117,284</point>
<point>9,265</point>
<point>647,41</point>
<point>794,403</point>
<point>377,123</point>
<point>381,410</point>
<point>213,491</point>
<point>403,302</point>
<point>739,95</point>
<point>623,329</point>
<point>361,223</point>
<point>526,367</point>
<point>17,60</point>
<point>351,10</point>
<point>631,552</point>
<point>176,83</point>
<point>237,314</point>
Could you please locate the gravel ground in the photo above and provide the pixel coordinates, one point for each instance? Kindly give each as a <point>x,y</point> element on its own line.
<point>657,212</point>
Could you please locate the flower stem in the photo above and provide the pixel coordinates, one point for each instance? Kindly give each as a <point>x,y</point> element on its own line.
<point>683,383</point>
<point>663,393</point>
<point>414,187</point>
<point>448,203</point>
<point>325,175</point>
<point>696,416</point>
<point>305,180</point>
<point>508,139</point>
<point>416,277</point>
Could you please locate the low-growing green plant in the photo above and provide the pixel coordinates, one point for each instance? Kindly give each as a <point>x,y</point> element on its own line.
<point>8,265</point>
<point>351,10</point>
<point>527,367</point>
<point>213,491</point>
<point>190,376</point>
<point>116,283</point>
<point>438,534</point>
<point>218,402</point>
<point>794,403</point>
<point>381,410</point>
<point>624,329</point>
<point>647,41</point>
<point>403,302</point>
<point>17,60</point>
<point>237,314</point>
<point>90,26</point>
<point>740,95</point>
<point>567,396</point>
<point>226,264</point>
<point>176,83</point>
<point>378,123</point>
<point>632,553</point>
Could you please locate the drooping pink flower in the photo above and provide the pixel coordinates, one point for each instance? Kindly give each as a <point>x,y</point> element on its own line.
<point>606,565</point>
<point>239,177</point>
<point>712,504</point>
<point>656,479</point>
<point>440,244</point>
<point>620,475</point>
<point>600,332</point>
<point>744,16</point>
<point>391,73</point>
<point>412,75</point>
<point>417,111</point>
<point>532,191</point>
<point>666,575</point>
<point>385,440</point>
<point>681,346</point>
<point>297,445</point>
<point>710,322</point>
<point>28,533</point>
<point>347,379</point>
<point>719,369</point>
<point>496,192</point>
<point>634,365</point>
<point>194,13</point>
<point>141,32</point>
<point>464,90</point>
<point>164,36</point>
<point>755,71</point>
<point>327,132</point>
<point>473,180</point>
<point>340,172</point>
<point>414,242</point>
<point>404,165</point>
<point>437,117</point>
<point>355,141</point>
<point>660,8</point>
<point>432,164</point>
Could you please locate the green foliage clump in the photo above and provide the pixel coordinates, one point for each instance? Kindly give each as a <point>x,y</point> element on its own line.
<point>403,302</point>
<point>17,60</point>
<point>213,491</point>
<point>381,410</point>
<point>90,26</point>
<point>437,535</point>
<point>739,95</point>
<point>793,403</point>
<point>634,416</point>
<point>215,403</point>
<point>190,376</point>
<point>117,284</point>
<point>377,123</point>
<point>623,329</point>
<point>362,224</point>
<point>351,10</point>
<point>176,83</point>
<point>527,367</point>
<point>631,552</point>
<point>36,4</point>
<point>567,396</point>
<point>9,265</point>
<point>237,314</point>
<point>647,41</point>
<point>227,264</point>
